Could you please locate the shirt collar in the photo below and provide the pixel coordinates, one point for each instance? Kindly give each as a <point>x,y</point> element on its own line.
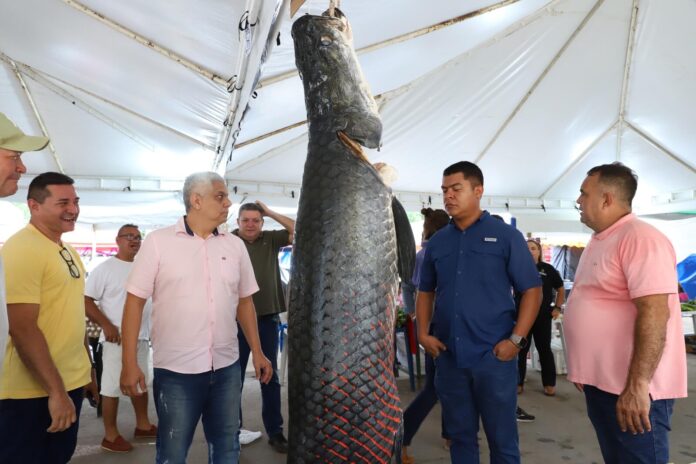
<point>484,215</point>
<point>183,227</point>
<point>608,231</point>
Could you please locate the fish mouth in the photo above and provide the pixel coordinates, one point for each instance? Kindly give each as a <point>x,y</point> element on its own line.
<point>352,145</point>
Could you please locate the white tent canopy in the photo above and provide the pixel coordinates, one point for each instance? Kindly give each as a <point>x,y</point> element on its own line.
<point>136,95</point>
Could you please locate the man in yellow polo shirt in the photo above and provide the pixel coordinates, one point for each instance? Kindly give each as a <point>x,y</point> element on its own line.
<point>46,364</point>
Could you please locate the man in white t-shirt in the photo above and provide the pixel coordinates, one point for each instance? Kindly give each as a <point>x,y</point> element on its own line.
<point>13,142</point>
<point>106,286</point>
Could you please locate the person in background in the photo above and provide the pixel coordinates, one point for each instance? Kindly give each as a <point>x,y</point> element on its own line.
<point>105,294</point>
<point>269,302</point>
<point>551,282</point>
<point>47,362</point>
<point>623,325</point>
<point>420,407</point>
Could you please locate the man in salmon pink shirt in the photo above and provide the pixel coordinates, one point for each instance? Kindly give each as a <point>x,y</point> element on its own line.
<point>201,281</point>
<point>623,325</point>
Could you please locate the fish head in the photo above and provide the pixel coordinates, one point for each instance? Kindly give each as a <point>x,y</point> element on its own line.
<point>337,96</point>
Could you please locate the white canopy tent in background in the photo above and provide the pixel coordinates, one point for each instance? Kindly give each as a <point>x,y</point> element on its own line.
<point>136,95</point>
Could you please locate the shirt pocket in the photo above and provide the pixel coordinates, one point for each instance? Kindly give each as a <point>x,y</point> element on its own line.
<point>489,261</point>
<point>229,271</point>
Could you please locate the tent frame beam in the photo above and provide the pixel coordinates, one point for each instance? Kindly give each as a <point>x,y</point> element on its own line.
<point>652,141</point>
<point>198,69</point>
<point>579,159</point>
<point>35,110</point>
<point>539,80</point>
<point>630,46</point>
<point>399,38</point>
<point>61,92</point>
<point>118,106</point>
<point>233,103</point>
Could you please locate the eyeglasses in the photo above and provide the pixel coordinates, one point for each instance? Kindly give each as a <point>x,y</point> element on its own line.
<point>131,237</point>
<point>72,267</point>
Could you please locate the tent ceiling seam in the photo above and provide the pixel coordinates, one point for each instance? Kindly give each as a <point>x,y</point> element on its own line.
<point>630,46</point>
<point>151,44</point>
<point>36,112</point>
<point>579,159</point>
<point>539,79</point>
<point>399,38</point>
<point>654,142</point>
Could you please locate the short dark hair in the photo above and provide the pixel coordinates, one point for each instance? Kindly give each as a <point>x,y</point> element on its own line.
<point>38,190</point>
<point>469,170</point>
<point>125,226</point>
<point>619,176</point>
<point>250,207</point>
<point>435,219</point>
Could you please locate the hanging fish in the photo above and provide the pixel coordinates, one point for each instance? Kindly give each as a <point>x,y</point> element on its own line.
<point>343,401</point>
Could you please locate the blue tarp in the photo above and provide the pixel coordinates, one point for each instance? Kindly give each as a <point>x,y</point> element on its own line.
<point>686,273</point>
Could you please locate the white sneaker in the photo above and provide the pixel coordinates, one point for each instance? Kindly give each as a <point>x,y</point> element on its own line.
<point>247,436</point>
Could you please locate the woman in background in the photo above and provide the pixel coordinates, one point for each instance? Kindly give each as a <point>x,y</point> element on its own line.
<point>541,330</point>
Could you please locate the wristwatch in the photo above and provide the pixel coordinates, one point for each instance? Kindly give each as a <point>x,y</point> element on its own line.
<point>518,340</point>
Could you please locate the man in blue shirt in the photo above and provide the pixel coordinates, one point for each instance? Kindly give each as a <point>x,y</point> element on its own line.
<point>469,270</point>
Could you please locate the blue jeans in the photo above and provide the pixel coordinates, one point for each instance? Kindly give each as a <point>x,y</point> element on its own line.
<point>486,390</point>
<point>23,435</point>
<point>270,392</point>
<point>181,400</point>
<point>623,447</point>
<point>420,407</point>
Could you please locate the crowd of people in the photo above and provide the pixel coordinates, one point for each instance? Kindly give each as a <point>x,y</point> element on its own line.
<point>206,299</point>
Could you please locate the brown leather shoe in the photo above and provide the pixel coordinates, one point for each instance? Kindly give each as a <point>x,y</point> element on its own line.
<point>549,390</point>
<point>119,445</point>
<point>149,433</point>
<point>406,458</point>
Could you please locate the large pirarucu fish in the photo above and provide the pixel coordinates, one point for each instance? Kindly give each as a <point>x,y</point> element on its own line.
<point>343,401</point>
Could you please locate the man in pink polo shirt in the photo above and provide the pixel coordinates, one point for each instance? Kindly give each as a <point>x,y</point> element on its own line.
<point>622,324</point>
<point>201,281</point>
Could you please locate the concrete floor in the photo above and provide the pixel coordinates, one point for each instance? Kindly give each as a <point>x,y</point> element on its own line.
<point>561,432</point>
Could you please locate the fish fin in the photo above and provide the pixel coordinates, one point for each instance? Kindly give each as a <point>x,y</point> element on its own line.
<point>352,145</point>
<point>405,242</point>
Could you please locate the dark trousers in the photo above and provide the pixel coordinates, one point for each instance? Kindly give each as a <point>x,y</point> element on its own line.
<point>623,447</point>
<point>422,404</point>
<point>541,332</point>
<point>23,435</point>
<point>485,391</point>
<point>270,392</point>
